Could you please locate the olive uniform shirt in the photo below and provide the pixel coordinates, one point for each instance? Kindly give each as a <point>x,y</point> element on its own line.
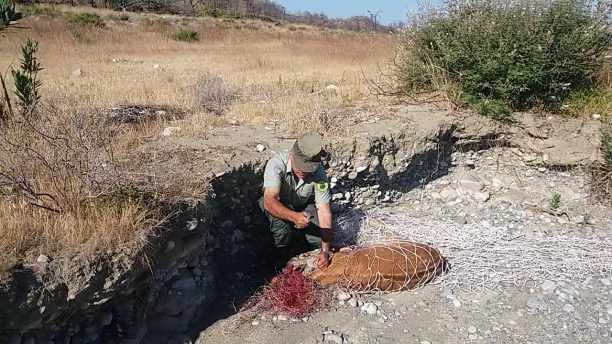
<point>296,194</point>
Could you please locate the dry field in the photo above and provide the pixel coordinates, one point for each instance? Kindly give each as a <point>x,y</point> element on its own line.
<point>275,74</point>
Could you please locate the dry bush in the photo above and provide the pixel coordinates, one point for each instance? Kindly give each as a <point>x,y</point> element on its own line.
<point>59,188</point>
<point>213,94</point>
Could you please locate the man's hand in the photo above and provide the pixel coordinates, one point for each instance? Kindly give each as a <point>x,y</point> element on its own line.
<point>322,260</point>
<point>300,220</point>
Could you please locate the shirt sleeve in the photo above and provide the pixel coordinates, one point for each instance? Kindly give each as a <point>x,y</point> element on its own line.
<point>273,173</point>
<point>322,188</point>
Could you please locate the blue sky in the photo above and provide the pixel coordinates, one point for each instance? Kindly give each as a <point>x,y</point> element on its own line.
<point>392,10</point>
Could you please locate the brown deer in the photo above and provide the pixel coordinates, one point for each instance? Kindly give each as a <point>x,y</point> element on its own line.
<point>394,266</point>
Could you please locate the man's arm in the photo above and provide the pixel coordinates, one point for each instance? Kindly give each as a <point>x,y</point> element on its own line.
<point>325,223</point>
<point>275,208</point>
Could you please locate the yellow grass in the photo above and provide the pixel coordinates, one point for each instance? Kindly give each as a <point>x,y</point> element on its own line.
<point>276,69</point>
<point>28,231</point>
<point>279,74</point>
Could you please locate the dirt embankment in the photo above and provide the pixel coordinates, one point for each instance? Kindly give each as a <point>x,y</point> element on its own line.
<point>209,257</point>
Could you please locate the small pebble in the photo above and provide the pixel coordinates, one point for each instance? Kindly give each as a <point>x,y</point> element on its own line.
<point>472,329</point>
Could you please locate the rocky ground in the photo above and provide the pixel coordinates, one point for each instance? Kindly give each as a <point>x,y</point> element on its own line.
<point>501,187</point>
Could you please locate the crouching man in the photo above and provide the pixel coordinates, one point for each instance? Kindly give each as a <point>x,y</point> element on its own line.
<point>296,198</point>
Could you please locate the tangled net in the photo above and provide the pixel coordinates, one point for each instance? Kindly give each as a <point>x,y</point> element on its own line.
<point>482,257</point>
<point>392,266</point>
<point>290,293</point>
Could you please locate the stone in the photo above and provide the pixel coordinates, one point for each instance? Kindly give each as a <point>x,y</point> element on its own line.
<point>456,303</point>
<point>282,317</point>
<point>347,195</point>
<point>156,66</point>
<point>106,319</point>
<point>470,163</point>
<point>344,296</point>
<point>255,322</point>
<point>247,219</point>
<point>606,282</point>
<point>196,272</point>
<point>361,169</point>
<point>185,284</point>
<point>536,303</point>
<point>448,194</point>
<point>472,329</point>
<point>471,184</point>
<point>169,246</point>
<point>333,338</point>
<point>568,308</point>
<point>77,73</point>
<point>237,236</point>
<point>549,286</point>
<point>473,336</point>
<point>352,175</point>
<point>170,130</point>
<point>43,259</point>
<point>480,197</point>
<point>459,219</point>
<point>369,308</point>
<point>260,148</point>
<point>596,116</point>
<point>542,169</point>
<point>353,302</point>
<point>332,89</point>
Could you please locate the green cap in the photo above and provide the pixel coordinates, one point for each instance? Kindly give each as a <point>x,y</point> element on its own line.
<point>307,152</point>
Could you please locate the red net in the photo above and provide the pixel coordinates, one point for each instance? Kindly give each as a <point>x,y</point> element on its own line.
<point>290,293</point>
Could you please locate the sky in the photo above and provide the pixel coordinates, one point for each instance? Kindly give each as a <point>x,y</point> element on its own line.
<point>392,10</point>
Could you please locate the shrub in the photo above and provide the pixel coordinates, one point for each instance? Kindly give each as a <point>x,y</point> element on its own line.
<point>213,94</point>
<point>186,35</point>
<point>85,18</point>
<point>26,79</point>
<point>500,56</point>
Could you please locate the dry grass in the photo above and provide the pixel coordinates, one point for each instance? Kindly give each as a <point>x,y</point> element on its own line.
<point>27,231</point>
<point>278,69</point>
<point>279,74</point>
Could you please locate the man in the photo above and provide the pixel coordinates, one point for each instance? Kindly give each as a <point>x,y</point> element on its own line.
<point>297,198</point>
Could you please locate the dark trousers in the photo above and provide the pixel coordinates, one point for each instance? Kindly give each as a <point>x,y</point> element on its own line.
<point>285,234</point>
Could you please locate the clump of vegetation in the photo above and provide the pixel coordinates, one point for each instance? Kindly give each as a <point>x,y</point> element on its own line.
<point>186,35</point>
<point>498,56</point>
<point>121,17</point>
<point>26,79</point>
<point>85,18</point>
<point>555,201</point>
<point>214,94</point>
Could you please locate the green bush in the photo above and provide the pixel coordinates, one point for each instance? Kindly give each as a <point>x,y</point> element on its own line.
<point>499,56</point>
<point>606,143</point>
<point>186,35</point>
<point>85,18</point>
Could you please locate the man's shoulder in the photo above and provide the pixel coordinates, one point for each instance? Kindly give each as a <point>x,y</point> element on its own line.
<point>280,157</point>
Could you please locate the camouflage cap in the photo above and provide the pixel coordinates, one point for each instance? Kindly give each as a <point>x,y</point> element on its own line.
<point>307,152</point>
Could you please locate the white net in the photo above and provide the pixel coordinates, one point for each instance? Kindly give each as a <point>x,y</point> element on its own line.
<point>482,257</point>
<point>391,266</point>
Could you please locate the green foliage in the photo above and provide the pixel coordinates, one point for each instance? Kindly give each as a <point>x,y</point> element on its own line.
<point>587,217</point>
<point>186,35</point>
<point>121,17</point>
<point>505,55</point>
<point>26,77</point>
<point>606,143</point>
<point>213,11</point>
<point>555,201</point>
<point>589,101</point>
<point>8,15</point>
<point>86,19</point>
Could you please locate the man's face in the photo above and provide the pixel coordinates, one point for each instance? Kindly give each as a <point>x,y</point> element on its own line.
<point>297,171</point>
